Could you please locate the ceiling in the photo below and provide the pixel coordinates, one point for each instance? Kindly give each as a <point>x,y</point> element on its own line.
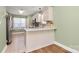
<point>28,10</point>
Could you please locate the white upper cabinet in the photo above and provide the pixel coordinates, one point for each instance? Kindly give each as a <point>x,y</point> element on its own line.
<point>37,16</point>
<point>48,14</point>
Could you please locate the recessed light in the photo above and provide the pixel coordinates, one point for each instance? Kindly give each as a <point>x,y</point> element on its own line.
<point>21,11</point>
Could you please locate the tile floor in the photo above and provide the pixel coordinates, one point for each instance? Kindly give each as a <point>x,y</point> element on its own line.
<point>17,45</point>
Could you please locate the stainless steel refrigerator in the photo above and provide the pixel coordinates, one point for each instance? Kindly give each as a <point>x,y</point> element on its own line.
<point>8,29</point>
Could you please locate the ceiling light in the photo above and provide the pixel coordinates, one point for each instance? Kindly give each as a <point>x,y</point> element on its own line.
<point>21,11</point>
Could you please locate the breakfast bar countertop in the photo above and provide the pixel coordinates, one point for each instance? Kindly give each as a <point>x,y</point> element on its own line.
<point>39,29</point>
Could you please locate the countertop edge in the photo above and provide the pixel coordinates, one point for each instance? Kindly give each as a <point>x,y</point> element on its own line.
<point>38,29</point>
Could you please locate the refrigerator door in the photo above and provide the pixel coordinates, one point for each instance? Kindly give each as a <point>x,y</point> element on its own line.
<point>8,31</point>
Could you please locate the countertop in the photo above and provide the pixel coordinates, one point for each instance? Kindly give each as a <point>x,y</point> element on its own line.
<point>39,29</point>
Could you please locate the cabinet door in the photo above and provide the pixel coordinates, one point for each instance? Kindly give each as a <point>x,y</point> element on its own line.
<point>45,15</point>
<point>48,14</point>
<point>33,17</point>
<point>37,16</point>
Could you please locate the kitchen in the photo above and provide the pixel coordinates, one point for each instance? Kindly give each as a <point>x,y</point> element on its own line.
<point>38,26</point>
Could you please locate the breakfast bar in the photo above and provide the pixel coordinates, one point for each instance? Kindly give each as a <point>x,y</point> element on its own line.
<point>38,37</point>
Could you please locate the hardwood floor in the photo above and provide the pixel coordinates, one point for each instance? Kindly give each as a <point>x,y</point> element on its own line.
<point>51,49</point>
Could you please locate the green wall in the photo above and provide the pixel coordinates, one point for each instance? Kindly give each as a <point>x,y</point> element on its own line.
<point>2,28</point>
<point>67,23</point>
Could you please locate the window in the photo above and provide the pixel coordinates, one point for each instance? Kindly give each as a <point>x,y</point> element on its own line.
<point>19,22</point>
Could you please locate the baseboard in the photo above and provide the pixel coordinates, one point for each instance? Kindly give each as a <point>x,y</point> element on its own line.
<point>65,47</point>
<point>4,49</point>
<point>57,43</point>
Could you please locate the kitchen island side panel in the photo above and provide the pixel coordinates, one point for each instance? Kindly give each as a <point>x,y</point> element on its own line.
<point>39,39</point>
